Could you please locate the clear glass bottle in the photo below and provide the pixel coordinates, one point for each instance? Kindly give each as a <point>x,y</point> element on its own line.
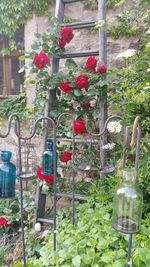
<point>7,175</point>
<point>127,204</point>
<point>47,159</point>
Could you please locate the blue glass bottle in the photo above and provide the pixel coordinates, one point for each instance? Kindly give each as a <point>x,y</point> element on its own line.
<point>48,159</point>
<point>7,175</point>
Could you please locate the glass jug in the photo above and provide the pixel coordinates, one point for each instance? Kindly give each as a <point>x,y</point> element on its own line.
<point>7,175</point>
<point>127,204</point>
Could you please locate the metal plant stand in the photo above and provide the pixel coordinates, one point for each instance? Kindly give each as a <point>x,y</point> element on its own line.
<point>21,175</point>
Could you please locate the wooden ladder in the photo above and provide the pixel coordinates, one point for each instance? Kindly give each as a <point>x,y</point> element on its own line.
<point>101,51</point>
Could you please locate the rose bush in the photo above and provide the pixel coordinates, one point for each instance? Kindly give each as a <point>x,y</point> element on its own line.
<point>78,89</point>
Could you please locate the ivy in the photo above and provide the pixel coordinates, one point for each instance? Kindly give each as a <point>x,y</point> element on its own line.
<point>14,13</point>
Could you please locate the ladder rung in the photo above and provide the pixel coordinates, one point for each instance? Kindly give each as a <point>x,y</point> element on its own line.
<point>70,196</point>
<point>46,220</point>
<point>86,141</point>
<point>71,1</point>
<point>80,25</point>
<point>80,54</point>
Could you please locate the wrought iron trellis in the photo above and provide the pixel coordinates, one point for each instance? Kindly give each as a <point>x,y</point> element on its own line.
<point>21,174</point>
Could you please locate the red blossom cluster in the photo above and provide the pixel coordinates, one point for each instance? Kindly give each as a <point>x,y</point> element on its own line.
<point>49,179</point>
<point>41,60</point>
<point>65,156</point>
<point>66,35</point>
<point>4,222</point>
<point>91,64</point>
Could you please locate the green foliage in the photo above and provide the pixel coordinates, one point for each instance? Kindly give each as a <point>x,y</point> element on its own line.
<point>2,254</point>
<point>93,242</point>
<point>131,94</point>
<point>17,102</point>
<point>14,14</point>
<point>109,3</point>
<point>11,209</point>
<point>126,24</point>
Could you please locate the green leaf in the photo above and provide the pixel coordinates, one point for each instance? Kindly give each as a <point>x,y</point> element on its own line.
<point>71,64</point>
<point>76,261</point>
<point>77,92</point>
<point>22,58</point>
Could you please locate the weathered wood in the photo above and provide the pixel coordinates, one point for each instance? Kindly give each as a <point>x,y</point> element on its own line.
<point>40,201</point>
<point>59,10</point>
<point>45,220</point>
<point>80,25</point>
<point>41,198</point>
<point>71,1</point>
<point>81,54</point>
<point>77,140</point>
<point>69,196</point>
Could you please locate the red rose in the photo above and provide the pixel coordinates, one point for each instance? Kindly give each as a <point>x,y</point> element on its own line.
<point>47,178</point>
<point>4,222</point>
<point>102,69</point>
<point>79,126</point>
<point>65,156</point>
<point>91,63</point>
<point>82,81</point>
<point>86,105</point>
<point>65,87</point>
<point>40,60</point>
<point>66,34</point>
<point>39,174</point>
<point>61,42</point>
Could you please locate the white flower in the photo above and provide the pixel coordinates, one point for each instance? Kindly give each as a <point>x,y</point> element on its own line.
<point>146,87</point>
<point>126,54</point>
<point>114,127</point>
<point>108,146</point>
<point>148,70</point>
<point>37,227</point>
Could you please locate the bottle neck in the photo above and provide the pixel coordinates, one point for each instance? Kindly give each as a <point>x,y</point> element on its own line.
<point>50,145</point>
<point>129,176</point>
